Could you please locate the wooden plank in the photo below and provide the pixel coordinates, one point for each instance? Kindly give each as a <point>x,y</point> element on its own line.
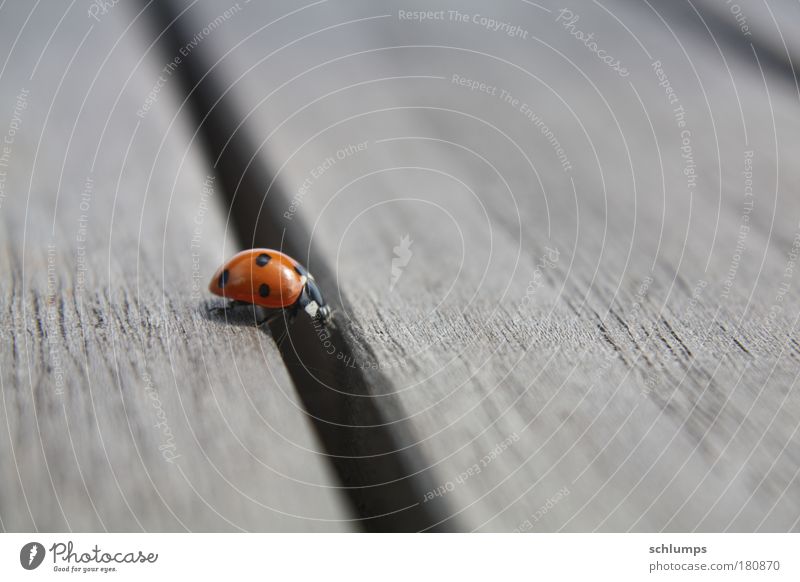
<point>591,329</point>
<point>126,403</point>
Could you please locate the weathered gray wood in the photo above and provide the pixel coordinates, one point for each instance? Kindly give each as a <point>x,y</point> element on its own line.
<point>645,378</point>
<point>125,404</point>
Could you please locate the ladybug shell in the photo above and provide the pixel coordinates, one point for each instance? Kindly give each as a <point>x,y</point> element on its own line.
<point>261,276</point>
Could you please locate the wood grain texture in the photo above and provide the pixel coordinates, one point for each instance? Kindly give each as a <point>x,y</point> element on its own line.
<point>595,324</point>
<point>127,404</point>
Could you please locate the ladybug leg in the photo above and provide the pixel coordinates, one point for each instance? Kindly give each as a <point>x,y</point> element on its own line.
<point>219,309</point>
<point>290,320</point>
<point>274,317</point>
<point>285,332</point>
<point>282,337</point>
<point>270,318</point>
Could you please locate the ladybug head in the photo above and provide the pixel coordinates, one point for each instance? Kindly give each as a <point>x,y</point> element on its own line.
<point>322,313</point>
<point>314,303</point>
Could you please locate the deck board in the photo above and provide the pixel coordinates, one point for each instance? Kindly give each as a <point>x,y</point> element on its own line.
<point>602,322</point>
<point>127,405</point>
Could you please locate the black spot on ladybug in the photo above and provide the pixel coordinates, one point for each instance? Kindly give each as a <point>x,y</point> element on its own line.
<point>262,259</point>
<point>264,290</point>
<point>223,279</point>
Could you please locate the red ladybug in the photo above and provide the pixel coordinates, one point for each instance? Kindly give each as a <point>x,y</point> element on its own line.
<point>270,279</point>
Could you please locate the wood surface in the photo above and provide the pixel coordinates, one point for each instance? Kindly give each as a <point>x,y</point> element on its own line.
<point>597,322</point>
<point>565,299</point>
<point>127,404</point>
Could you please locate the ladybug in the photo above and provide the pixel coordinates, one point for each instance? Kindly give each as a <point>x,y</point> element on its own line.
<point>270,279</point>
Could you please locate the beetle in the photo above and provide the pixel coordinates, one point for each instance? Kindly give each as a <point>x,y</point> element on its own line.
<point>273,280</point>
